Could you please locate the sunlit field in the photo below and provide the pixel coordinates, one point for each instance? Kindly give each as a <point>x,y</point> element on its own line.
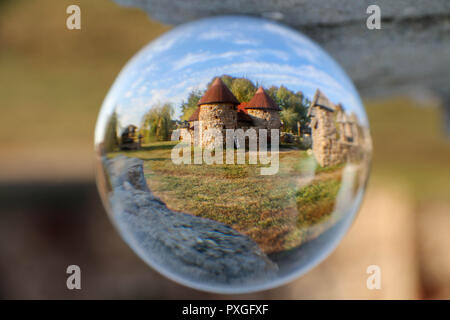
<point>274,210</point>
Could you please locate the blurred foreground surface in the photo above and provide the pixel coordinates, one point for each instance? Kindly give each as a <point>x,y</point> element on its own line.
<point>52,84</point>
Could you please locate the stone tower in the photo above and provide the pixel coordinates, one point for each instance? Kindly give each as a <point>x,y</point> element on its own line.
<point>337,136</point>
<point>217,109</point>
<point>324,133</point>
<point>264,112</point>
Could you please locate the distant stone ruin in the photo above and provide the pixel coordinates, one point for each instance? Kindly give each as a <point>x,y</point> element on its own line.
<point>130,139</point>
<point>337,137</point>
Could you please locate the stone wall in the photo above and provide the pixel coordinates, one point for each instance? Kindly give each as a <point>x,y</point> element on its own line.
<point>324,138</point>
<point>348,131</point>
<point>184,132</point>
<point>274,121</point>
<point>216,116</point>
<point>336,142</point>
<point>224,116</point>
<point>265,119</point>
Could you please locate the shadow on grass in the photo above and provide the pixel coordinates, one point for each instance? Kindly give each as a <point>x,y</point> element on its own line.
<point>154,159</point>
<point>154,147</point>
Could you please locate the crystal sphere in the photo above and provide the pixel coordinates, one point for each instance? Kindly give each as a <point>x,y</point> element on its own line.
<point>232,154</point>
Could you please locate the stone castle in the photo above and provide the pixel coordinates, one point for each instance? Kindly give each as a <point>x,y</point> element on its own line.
<point>219,109</point>
<point>336,136</point>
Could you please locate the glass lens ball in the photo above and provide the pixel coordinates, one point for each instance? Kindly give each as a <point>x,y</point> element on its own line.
<point>232,154</point>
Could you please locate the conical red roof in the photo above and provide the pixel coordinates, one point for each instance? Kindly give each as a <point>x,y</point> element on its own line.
<point>261,100</point>
<point>218,93</point>
<point>195,115</point>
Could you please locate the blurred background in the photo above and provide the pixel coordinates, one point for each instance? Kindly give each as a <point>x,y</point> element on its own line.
<point>52,83</point>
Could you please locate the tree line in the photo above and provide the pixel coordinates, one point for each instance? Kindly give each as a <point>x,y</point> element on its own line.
<point>293,105</point>
<point>157,123</point>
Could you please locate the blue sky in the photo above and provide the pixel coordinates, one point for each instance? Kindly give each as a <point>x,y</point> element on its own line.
<point>189,56</point>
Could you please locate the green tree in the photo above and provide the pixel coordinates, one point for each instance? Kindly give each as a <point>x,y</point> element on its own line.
<point>294,105</point>
<point>158,123</point>
<point>243,89</point>
<point>188,107</point>
<point>289,118</point>
<point>272,92</point>
<point>228,80</point>
<point>111,140</point>
<point>282,97</point>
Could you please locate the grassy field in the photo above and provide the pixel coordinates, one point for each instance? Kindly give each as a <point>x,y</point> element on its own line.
<point>273,210</point>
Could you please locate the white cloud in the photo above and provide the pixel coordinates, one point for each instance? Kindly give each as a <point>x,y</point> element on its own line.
<point>215,34</point>
<point>202,57</point>
<point>191,58</point>
<point>232,36</point>
<point>305,53</point>
<point>142,90</point>
<point>300,77</point>
<point>246,42</point>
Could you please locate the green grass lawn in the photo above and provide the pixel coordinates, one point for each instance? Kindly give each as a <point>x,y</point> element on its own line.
<point>273,210</point>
